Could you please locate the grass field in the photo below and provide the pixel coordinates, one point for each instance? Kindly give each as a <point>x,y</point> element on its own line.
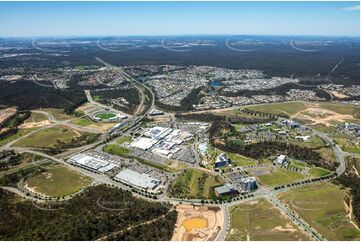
<point>318,172</point>
<point>289,108</point>
<point>123,139</point>
<point>18,134</point>
<point>322,206</point>
<point>260,220</point>
<point>115,149</point>
<point>278,177</point>
<point>49,137</point>
<point>195,183</point>
<point>96,125</point>
<point>105,116</point>
<point>57,180</point>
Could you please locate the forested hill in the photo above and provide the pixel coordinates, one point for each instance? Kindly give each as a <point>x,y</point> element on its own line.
<point>99,211</point>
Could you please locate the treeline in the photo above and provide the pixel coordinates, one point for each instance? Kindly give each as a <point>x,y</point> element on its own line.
<point>209,117</point>
<point>93,214</point>
<point>131,95</point>
<point>8,158</point>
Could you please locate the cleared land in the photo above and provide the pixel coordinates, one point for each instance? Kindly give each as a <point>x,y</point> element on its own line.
<point>324,208</point>
<point>57,181</point>
<point>197,223</point>
<point>313,113</point>
<point>195,183</point>
<point>276,176</point>
<point>49,137</point>
<point>260,220</point>
<point>58,114</point>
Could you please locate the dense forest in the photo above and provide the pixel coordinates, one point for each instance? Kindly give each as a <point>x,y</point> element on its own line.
<point>99,211</point>
<point>27,95</point>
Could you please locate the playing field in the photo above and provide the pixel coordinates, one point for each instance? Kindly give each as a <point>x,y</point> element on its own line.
<point>105,116</point>
<point>260,220</point>
<point>278,176</point>
<point>57,180</point>
<point>195,183</point>
<point>323,207</point>
<point>49,137</point>
<point>318,172</point>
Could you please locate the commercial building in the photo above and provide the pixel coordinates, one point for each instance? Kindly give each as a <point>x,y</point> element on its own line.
<point>139,180</point>
<point>91,163</point>
<point>222,160</point>
<point>143,143</point>
<point>225,190</point>
<point>248,184</point>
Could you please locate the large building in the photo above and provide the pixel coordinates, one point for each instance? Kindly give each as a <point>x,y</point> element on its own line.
<point>139,180</point>
<point>222,160</point>
<point>248,184</point>
<point>280,159</point>
<point>91,163</point>
<point>225,190</point>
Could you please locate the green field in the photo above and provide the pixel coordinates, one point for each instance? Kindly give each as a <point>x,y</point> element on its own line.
<point>105,116</point>
<point>195,183</point>
<point>18,134</point>
<point>260,220</point>
<point>57,181</point>
<point>115,149</point>
<point>278,177</point>
<point>50,137</point>
<point>91,124</point>
<point>322,206</point>
<point>123,139</point>
<point>318,172</point>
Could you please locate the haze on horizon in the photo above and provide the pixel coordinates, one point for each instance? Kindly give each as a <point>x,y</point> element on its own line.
<point>27,19</point>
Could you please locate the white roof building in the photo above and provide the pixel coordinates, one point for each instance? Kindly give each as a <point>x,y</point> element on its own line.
<point>281,159</point>
<point>136,179</point>
<point>143,143</point>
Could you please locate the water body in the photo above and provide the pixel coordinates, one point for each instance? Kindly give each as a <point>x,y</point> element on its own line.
<point>216,83</point>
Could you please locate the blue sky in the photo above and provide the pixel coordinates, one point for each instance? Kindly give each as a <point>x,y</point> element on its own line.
<point>178,18</point>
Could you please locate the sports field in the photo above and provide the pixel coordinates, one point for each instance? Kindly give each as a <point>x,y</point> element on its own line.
<point>195,183</point>
<point>323,207</point>
<point>49,137</point>
<point>278,176</point>
<point>318,172</point>
<point>105,116</point>
<point>260,220</point>
<point>57,180</point>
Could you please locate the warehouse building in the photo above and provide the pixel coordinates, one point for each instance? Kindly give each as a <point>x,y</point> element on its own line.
<point>138,180</point>
<point>91,163</point>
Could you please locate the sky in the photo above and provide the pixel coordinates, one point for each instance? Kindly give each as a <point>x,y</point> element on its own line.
<point>34,19</point>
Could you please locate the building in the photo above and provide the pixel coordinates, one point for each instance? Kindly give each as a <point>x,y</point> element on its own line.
<point>225,190</point>
<point>249,183</point>
<point>143,143</point>
<point>222,160</point>
<point>139,180</point>
<point>304,138</point>
<point>281,159</point>
<point>91,163</point>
